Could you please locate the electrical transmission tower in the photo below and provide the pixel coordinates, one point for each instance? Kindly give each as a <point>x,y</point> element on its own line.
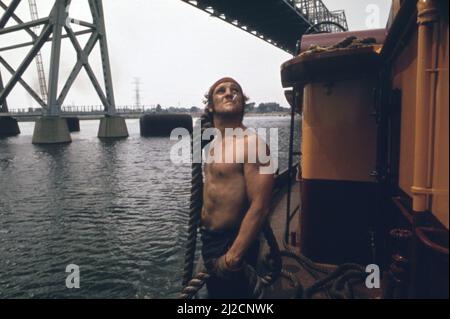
<point>137,93</point>
<point>39,63</point>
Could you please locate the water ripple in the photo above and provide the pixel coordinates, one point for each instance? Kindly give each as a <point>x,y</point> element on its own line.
<point>117,209</point>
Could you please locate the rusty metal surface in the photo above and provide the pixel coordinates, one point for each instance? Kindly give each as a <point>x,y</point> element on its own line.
<point>328,39</point>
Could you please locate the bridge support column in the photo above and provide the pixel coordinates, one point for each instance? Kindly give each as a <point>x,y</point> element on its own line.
<point>51,130</point>
<point>8,127</point>
<point>112,127</point>
<point>73,123</point>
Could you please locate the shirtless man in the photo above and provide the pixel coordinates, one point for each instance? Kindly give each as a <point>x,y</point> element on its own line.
<point>236,196</point>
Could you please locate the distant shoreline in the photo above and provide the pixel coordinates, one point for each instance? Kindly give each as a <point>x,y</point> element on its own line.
<point>136,116</point>
<point>282,114</point>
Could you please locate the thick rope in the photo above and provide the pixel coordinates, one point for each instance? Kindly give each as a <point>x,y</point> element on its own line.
<point>194,218</point>
<point>273,259</point>
<point>194,285</point>
<point>298,287</point>
<point>337,279</point>
<point>196,200</point>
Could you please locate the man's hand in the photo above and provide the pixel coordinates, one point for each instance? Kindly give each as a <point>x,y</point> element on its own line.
<point>223,268</point>
<point>245,274</point>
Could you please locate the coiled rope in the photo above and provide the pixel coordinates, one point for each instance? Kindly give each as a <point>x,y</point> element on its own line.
<point>335,284</point>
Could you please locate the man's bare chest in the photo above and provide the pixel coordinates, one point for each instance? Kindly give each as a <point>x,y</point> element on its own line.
<point>224,171</point>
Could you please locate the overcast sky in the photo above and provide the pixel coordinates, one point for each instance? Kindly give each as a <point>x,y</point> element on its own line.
<point>176,50</point>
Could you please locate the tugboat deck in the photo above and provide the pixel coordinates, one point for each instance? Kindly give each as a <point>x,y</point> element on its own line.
<point>283,288</point>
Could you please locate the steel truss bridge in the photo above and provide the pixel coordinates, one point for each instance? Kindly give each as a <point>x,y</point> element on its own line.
<point>278,22</point>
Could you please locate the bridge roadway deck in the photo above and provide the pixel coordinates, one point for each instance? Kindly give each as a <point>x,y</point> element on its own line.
<point>31,116</point>
<point>275,20</point>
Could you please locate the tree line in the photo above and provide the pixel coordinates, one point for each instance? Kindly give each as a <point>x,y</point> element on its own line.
<point>270,107</point>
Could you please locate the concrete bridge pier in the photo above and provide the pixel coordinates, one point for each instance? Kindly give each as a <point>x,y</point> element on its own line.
<point>112,127</point>
<point>8,127</point>
<point>51,130</point>
<point>73,123</point>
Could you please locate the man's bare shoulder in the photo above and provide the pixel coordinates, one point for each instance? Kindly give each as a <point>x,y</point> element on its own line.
<point>257,151</point>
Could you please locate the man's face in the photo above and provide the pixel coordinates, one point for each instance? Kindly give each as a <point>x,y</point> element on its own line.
<point>228,99</point>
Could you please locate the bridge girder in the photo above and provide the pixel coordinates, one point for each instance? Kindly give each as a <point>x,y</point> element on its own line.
<point>279,22</point>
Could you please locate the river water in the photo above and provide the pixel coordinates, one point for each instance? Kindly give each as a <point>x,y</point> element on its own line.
<point>117,209</point>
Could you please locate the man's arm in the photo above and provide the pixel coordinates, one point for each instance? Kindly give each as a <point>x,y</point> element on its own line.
<point>259,192</point>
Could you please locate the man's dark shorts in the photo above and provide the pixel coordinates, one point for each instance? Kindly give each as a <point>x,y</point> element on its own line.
<point>236,284</point>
